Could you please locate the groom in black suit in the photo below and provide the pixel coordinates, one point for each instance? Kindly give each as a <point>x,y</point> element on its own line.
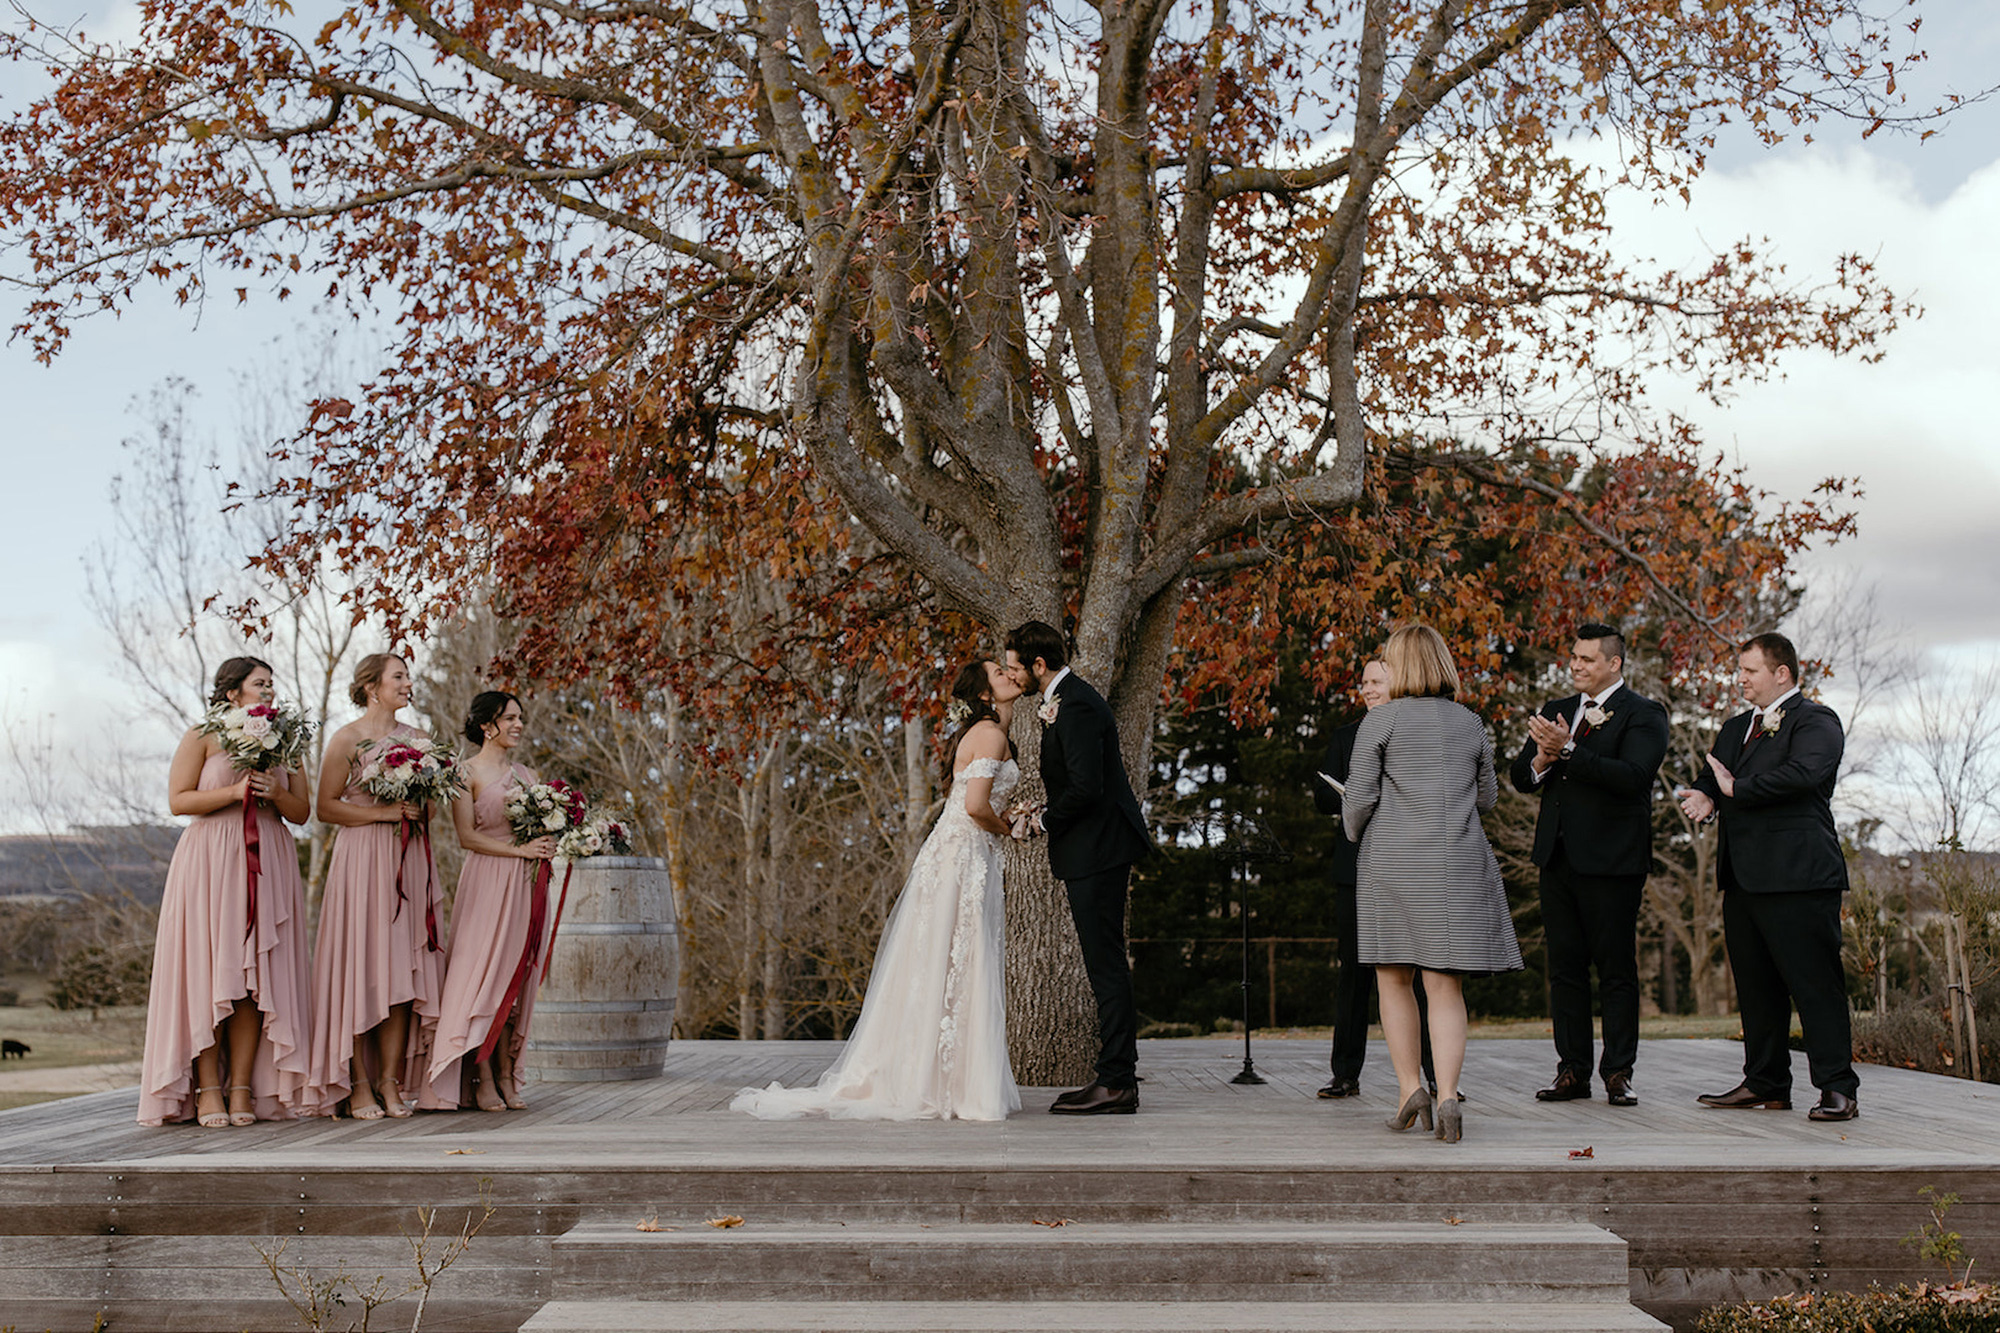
<point>1592,759</point>
<point>1095,834</point>
<point>1770,780</point>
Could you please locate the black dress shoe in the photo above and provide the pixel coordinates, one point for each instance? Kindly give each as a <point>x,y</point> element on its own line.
<point>1618,1090</point>
<point>1100,1100</point>
<point>1568,1087</point>
<point>1834,1106</point>
<point>1074,1094</point>
<point>1741,1098</point>
<point>1340,1087</point>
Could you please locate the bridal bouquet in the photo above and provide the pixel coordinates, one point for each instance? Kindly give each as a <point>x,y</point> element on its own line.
<point>415,769</point>
<point>544,810</point>
<point>260,736</point>
<point>597,835</point>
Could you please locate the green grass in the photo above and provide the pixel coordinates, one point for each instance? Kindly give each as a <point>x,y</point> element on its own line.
<point>10,1101</point>
<point>60,1039</point>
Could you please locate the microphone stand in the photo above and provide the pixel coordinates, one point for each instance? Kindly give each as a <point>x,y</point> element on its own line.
<point>1248,842</point>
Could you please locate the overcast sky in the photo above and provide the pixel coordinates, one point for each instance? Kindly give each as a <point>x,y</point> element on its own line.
<point>1918,427</point>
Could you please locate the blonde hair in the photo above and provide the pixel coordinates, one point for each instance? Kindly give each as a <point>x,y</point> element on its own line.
<point>1419,664</point>
<point>368,671</point>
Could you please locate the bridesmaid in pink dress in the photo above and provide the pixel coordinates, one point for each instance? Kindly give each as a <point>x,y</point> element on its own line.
<point>491,970</point>
<point>376,964</point>
<point>228,1018</point>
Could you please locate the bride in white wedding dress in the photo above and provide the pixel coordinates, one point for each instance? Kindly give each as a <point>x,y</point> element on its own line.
<point>931,1042</point>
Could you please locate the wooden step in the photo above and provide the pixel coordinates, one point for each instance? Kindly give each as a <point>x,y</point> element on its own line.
<point>599,1316</point>
<point>1392,1263</point>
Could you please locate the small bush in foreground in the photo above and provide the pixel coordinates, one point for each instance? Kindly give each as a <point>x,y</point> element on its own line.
<point>1921,1309</point>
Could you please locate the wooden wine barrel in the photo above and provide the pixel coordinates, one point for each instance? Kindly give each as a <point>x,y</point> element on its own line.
<point>607,1007</point>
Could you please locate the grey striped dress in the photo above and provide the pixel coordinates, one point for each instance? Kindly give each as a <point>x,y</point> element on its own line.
<point>1429,892</point>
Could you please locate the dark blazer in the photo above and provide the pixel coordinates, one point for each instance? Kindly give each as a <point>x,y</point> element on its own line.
<point>1778,834</point>
<point>1339,758</point>
<point>1599,800</point>
<point>1092,819</point>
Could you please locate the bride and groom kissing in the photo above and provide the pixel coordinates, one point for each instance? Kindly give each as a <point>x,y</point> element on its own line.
<point>931,1041</point>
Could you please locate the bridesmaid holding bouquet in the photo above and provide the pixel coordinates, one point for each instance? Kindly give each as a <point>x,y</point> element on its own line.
<point>227,1021</point>
<point>377,965</point>
<point>500,922</point>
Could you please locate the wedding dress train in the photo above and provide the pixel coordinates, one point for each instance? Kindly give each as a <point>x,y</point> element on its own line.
<point>931,1042</point>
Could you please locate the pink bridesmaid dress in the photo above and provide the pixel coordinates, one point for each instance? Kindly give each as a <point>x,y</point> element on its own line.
<point>206,958</point>
<point>374,952</point>
<point>489,967</point>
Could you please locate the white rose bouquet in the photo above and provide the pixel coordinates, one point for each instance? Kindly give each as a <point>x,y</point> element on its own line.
<point>259,736</point>
<point>597,835</point>
<point>544,810</point>
<point>415,769</point>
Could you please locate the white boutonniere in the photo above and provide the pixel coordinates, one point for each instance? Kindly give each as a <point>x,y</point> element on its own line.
<point>1047,712</point>
<point>1596,714</point>
<point>1769,725</point>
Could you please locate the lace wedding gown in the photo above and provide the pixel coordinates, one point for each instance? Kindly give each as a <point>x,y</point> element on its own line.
<point>931,1042</point>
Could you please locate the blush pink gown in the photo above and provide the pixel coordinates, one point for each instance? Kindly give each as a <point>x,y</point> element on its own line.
<point>373,952</point>
<point>490,920</point>
<point>204,961</point>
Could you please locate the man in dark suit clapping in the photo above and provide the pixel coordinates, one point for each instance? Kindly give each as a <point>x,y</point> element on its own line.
<point>1095,834</point>
<point>1592,759</point>
<point>1770,780</point>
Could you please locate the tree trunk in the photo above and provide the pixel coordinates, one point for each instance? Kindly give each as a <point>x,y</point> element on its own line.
<point>1051,1016</point>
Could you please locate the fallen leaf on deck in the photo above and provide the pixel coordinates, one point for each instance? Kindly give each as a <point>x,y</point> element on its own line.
<point>650,1222</point>
<point>1454,1221</point>
<point>463,1152</point>
<point>1059,1222</point>
<point>722,1223</point>
<point>1582,1152</point>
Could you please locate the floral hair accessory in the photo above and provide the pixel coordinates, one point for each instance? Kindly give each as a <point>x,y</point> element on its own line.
<point>956,712</point>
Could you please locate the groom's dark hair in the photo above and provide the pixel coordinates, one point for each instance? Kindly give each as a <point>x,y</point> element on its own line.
<point>1036,639</point>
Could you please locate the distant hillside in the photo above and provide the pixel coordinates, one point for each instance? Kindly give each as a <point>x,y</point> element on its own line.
<point>129,858</point>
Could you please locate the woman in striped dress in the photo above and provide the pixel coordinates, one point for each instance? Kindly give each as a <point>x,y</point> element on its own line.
<point>1429,892</point>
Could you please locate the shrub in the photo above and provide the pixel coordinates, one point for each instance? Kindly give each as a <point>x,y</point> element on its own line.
<point>1170,1030</point>
<point>1915,1035</point>
<point>9,997</point>
<point>97,976</point>
<point>1923,1309</point>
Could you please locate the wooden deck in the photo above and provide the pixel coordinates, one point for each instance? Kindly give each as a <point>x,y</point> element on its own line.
<point>99,1213</point>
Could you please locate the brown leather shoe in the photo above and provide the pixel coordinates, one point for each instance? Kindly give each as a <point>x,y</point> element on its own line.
<point>1074,1094</point>
<point>1568,1087</point>
<point>1740,1098</point>
<point>1340,1087</point>
<point>1099,1100</point>
<point>1834,1106</point>
<point>1618,1089</point>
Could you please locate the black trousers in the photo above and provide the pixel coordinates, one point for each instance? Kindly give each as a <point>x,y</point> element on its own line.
<point>1097,904</point>
<point>1784,950</point>
<point>1354,989</point>
<point>1592,921</point>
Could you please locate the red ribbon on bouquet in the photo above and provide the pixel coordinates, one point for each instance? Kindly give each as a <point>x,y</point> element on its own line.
<point>423,831</point>
<point>531,952</point>
<point>253,861</point>
<point>556,925</point>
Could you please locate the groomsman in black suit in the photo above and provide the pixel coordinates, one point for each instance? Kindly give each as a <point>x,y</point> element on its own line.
<point>1592,759</point>
<point>1770,780</point>
<point>1095,834</point>
<point>1354,987</point>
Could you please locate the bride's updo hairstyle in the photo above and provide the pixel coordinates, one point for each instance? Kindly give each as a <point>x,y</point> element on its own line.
<point>487,706</point>
<point>368,671</point>
<point>969,707</point>
<point>229,677</point>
